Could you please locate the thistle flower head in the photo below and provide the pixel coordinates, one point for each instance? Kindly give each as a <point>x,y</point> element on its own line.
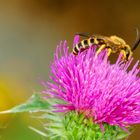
<point>91,85</point>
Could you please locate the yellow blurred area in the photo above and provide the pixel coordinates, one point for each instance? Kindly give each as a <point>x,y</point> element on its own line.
<point>12,92</point>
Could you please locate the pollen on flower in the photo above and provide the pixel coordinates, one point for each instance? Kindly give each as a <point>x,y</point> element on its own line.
<point>92,86</point>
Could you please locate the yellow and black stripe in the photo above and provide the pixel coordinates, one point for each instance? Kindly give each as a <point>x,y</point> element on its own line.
<point>86,43</point>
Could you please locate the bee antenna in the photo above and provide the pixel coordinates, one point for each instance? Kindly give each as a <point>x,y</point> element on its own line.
<point>137,42</point>
<point>83,34</point>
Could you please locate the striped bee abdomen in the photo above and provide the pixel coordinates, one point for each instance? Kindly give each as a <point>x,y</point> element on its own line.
<point>83,45</point>
<point>76,49</point>
<point>86,43</point>
<point>80,46</point>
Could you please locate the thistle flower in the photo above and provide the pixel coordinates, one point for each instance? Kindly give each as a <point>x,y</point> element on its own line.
<point>91,85</point>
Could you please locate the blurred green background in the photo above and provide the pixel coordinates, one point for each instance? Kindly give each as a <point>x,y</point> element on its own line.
<point>29,33</point>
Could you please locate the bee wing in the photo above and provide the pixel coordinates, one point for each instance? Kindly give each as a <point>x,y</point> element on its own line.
<point>105,38</point>
<point>84,34</point>
<point>98,36</point>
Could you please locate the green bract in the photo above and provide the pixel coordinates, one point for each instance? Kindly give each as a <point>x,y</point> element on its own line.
<point>75,126</point>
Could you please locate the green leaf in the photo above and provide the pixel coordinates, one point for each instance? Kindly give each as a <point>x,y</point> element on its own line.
<point>34,104</point>
<point>38,131</point>
<point>122,135</point>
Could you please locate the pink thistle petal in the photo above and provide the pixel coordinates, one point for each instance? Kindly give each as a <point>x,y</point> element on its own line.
<point>91,85</point>
<point>76,40</point>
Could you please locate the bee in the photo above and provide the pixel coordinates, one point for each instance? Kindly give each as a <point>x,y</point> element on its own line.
<point>113,44</point>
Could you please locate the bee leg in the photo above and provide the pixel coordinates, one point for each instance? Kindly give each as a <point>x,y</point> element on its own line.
<point>109,51</point>
<point>124,54</point>
<point>129,57</point>
<point>102,47</point>
<point>128,54</point>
